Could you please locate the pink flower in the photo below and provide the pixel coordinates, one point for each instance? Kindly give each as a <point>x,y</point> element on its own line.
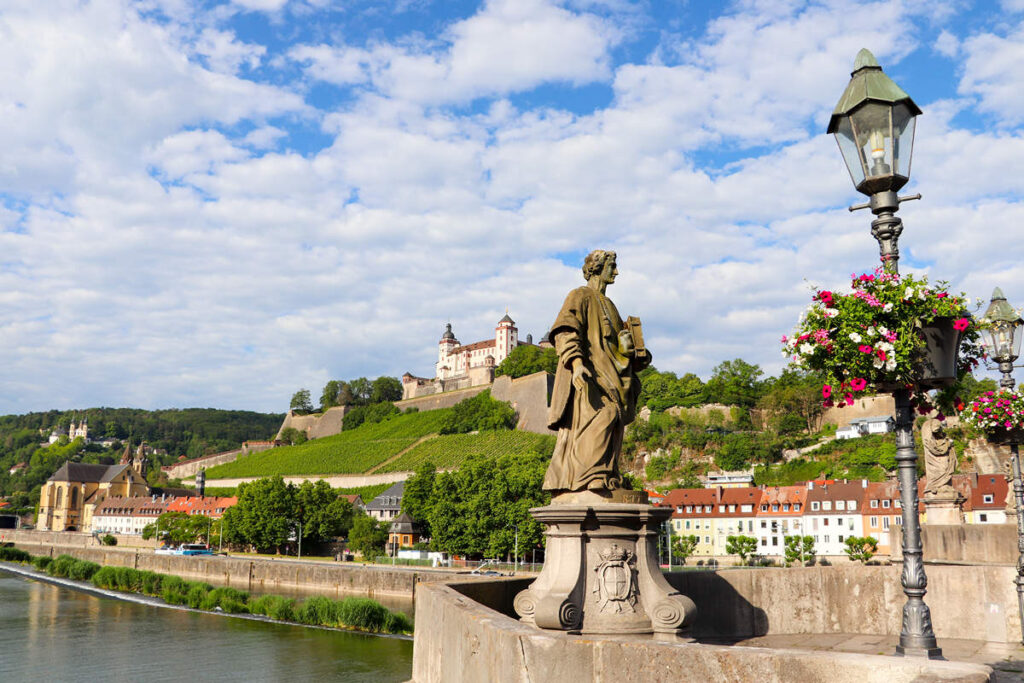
<point>826,391</point>
<point>988,410</point>
<point>961,324</point>
<point>941,295</point>
<point>858,384</point>
<point>864,348</point>
<point>825,297</point>
<point>784,340</point>
<point>881,354</point>
<point>828,403</point>
<point>849,399</point>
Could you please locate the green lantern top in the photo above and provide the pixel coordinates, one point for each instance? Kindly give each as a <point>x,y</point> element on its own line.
<point>868,83</point>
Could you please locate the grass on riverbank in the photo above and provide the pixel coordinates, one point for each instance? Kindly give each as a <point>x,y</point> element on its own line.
<point>361,614</point>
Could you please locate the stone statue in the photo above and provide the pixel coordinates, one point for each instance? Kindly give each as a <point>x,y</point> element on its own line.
<point>596,386</point>
<point>939,459</point>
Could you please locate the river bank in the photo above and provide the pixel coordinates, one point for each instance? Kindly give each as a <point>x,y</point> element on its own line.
<point>316,612</point>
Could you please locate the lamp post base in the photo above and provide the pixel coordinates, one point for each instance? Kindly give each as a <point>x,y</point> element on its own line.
<point>934,652</point>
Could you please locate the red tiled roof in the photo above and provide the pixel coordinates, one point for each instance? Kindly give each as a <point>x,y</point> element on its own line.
<point>783,495</point>
<point>994,485</point>
<point>485,344</point>
<point>202,506</point>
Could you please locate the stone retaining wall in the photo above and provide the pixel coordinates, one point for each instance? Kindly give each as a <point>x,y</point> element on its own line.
<point>263,575</point>
<point>459,638</point>
<point>338,481</point>
<point>72,539</point>
<point>966,544</point>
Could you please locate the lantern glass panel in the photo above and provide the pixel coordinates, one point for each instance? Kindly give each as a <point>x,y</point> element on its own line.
<point>850,151</point>
<point>1005,341</point>
<point>871,124</point>
<point>903,121</point>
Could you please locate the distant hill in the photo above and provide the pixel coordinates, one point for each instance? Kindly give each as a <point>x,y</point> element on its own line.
<point>398,444</point>
<point>191,432</point>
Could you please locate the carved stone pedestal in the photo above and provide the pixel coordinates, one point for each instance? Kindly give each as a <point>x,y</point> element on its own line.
<point>944,508</point>
<point>601,575</point>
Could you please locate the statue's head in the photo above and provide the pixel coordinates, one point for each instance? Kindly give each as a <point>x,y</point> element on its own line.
<point>596,261</point>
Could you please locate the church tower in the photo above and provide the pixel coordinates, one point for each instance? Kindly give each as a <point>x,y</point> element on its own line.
<point>445,363</point>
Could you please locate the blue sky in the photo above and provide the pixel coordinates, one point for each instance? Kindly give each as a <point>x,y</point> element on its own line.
<point>217,203</point>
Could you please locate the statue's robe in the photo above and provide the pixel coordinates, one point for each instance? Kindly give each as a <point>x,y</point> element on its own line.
<point>590,423</point>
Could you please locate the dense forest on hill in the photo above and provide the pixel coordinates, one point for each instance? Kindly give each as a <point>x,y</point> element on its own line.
<point>191,432</point>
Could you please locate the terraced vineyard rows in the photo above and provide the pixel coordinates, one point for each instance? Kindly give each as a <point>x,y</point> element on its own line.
<point>351,452</point>
<point>452,450</point>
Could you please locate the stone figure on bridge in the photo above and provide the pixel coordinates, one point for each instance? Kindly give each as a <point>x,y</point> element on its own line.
<point>596,387</point>
<point>939,458</point>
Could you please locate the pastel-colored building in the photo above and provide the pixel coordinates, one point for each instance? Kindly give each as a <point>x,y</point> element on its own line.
<point>834,514</point>
<point>69,497</point>
<point>882,514</point>
<point>779,514</point>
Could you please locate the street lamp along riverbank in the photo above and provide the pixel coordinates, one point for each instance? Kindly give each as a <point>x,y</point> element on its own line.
<point>874,125</point>
<point>1004,331</point>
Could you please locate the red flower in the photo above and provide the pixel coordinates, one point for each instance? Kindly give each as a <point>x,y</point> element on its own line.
<point>825,297</point>
<point>941,295</point>
<point>961,324</point>
<point>826,391</point>
<point>858,384</point>
<point>849,399</point>
<point>864,348</point>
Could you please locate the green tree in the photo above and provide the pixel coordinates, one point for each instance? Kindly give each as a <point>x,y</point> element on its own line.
<point>368,536</point>
<point>361,389</point>
<point>330,395</point>
<point>526,360</point>
<point>661,390</point>
<point>479,413</point>
<point>385,389</point>
<point>744,546</point>
<point>301,402</point>
<point>477,509</point>
<point>323,513</point>
<point>860,549</point>
<point>293,436</point>
<point>735,382</point>
<point>683,547</point>
<point>418,495</point>
<point>178,527</point>
<point>370,413</point>
<point>799,549</point>
<point>264,515</point>
<point>792,401</point>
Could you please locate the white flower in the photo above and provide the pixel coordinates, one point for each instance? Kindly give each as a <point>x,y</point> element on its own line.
<point>882,329</point>
<point>909,293</point>
<point>890,364</point>
<point>830,312</point>
<point>887,308</point>
<point>885,346</point>
<point>855,338</point>
<point>806,349</point>
<point>921,294</point>
<point>872,332</point>
<point>877,362</point>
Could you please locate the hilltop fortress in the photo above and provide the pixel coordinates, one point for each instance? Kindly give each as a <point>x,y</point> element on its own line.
<point>460,366</point>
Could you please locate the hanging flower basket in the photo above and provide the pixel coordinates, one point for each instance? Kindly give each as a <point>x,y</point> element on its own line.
<point>888,332</point>
<point>998,414</point>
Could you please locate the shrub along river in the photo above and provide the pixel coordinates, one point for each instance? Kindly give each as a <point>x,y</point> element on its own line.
<point>49,632</point>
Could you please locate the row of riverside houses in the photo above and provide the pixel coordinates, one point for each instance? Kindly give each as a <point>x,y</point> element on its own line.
<point>131,515</point>
<point>830,511</point>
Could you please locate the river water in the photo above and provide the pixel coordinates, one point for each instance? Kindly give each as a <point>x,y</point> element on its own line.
<point>51,633</point>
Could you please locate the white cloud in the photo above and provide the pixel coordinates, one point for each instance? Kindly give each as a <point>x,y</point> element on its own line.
<point>225,54</point>
<point>947,44</point>
<point>992,73</point>
<point>508,46</point>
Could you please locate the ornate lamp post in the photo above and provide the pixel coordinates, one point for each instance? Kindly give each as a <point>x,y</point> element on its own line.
<point>874,126</point>
<point>1004,343</point>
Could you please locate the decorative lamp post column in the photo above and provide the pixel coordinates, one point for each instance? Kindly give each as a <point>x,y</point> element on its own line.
<point>874,126</point>
<point>1004,344</point>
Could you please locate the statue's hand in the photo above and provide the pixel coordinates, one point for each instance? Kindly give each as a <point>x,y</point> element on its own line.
<point>625,343</point>
<point>580,375</point>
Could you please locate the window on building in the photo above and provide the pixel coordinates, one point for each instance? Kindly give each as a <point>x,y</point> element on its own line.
<point>707,539</point>
<point>826,505</point>
<point>825,521</point>
<point>764,508</point>
<point>746,508</point>
<point>785,507</point>
<point>885,503</point>
<point>874,503</point>
<point>707,508</point>
<point>985,498</point>
<point>775,540</point>
<point>898,503</point>
<point>840,505</point>
<point>687,524</point>
<point>764,541</point>
<point>814,505</point>
<point>840,539</point>
<point>689,508</point>
<point>775,507</point>
<point>796,507</point>
<point>885,523</point>
<point>851,505</point>
<point>721,508</point>
<point>982,517</point>
<point>764,524</point>
<point>679,509</point>
<point>826,539</point>
<point>732,508</point>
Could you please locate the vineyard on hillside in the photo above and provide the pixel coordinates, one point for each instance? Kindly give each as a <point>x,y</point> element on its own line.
<point>351,452</point>
<point>451,451</point>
